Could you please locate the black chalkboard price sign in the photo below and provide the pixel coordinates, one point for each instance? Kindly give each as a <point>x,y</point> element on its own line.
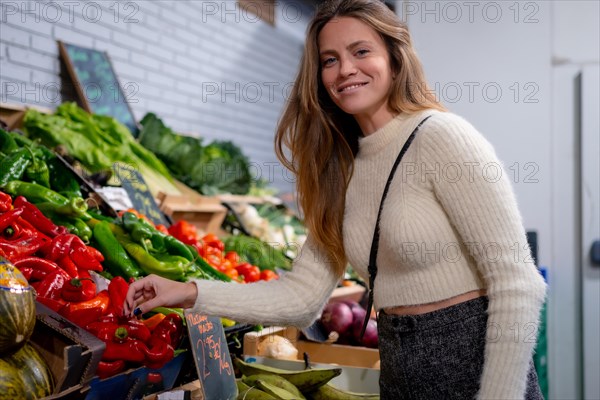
<point>132,181</point>
<point>97,85</point>
<point>213,362</point>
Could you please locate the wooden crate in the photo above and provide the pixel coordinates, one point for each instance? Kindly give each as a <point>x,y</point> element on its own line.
<point>352,356</point>
<point>12,114</point>
<point>204,212</point>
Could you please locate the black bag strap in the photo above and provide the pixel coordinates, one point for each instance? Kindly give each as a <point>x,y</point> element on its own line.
<point>375,243</point>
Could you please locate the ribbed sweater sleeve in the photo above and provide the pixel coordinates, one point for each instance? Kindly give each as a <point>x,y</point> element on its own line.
<point>295,299</point>
<point>482,208</point>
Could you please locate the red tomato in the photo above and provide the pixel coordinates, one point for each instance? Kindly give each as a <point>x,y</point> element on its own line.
<point>250,272</point>
<point>161,228</point>
<point>214,261</point>
<point>212,240</point>
<point>233,257</point>
<point>184,231</point>
<point>267,275</point>
<point>232,273</point>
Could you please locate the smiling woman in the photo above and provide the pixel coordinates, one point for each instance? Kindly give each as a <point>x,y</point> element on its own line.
<point>360,108</point>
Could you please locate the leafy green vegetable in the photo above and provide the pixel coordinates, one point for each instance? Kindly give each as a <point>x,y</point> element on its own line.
<point>98,142</point>
<point>257,252</point>
<point>219,167</point>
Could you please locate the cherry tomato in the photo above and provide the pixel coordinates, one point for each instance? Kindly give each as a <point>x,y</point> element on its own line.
<point>184,231</point>
<point>267,275</point>
<point>162,228</point>
<point>232,273</point>
<point>233,257</point>
<point>214,260</point>
<point>250,272</point>
<point>212,240</point>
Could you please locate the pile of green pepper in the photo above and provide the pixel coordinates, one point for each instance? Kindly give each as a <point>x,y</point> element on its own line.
<point>133,247</point>
<point>33,171</point>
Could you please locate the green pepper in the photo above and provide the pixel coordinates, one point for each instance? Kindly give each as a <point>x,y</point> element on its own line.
<point>62,179</point>
<point>75,207</point>
<point>178,248</point>
<point>115,257</point>
<point>37,172</point>
<point>13,166</point>
<point>95,214</point>
<point>158,242</point>
<point>7,142</point>
<point>167,266</point>
<point>34,192</point>
<point>84,231</point>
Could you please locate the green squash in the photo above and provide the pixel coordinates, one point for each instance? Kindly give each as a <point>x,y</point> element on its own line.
<point>11,384</point>
<point>17,309</point>
<point>35,372</point>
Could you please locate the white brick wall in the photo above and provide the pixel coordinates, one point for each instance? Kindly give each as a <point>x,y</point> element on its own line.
<point>207,68</point>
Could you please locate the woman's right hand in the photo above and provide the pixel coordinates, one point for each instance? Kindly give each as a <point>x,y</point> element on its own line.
<point>154,291</point>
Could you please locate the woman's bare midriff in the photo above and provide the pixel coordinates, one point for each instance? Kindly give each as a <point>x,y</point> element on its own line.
<point>438,305</point>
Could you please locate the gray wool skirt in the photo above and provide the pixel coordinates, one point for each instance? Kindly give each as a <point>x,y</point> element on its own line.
<point>438,355</point>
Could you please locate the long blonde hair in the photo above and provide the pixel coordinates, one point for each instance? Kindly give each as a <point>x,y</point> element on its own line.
<point>322,139</point>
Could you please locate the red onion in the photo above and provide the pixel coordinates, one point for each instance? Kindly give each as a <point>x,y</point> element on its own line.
<point>337,317</point>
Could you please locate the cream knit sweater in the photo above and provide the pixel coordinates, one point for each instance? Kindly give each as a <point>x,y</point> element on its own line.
<point>450,225</point>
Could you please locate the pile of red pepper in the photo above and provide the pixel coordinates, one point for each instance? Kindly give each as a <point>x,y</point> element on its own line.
<point>57,264</point>
<point>131,342</point>
<point>211,248</point>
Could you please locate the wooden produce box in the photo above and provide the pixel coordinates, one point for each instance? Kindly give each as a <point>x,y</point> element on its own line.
<point>206,213</point>
<point>71,352</point>
<point>345,355</point>
<point>12,114</point>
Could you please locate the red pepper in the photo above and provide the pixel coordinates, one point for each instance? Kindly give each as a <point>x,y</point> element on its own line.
<point>54,305</point>
<point>107,328</point>
<point>101,300</point>
<point>81,317</point>
<point>137,330</point>
<point>93,252</point>
<point>176,331</point>
<point>5,202</point>
<point>81,257</point>
<point>107,369</point>
<point>34,216</point>
<point>27,272</point>
<point>117,290</point>
<point>51,286</point>
<point>122,347</point>
<point>159,353</point>
<point>68,265</point>
<point>169,330</point>
<point>79,289</point>
<point>15,250</point>
<point>60,246</point>
<point>9,217</point>
<point>40,265</point>
<point>154,377</point>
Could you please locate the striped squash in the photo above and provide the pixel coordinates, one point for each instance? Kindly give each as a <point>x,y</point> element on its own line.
<point>17,309</point>
<point>35,372</point>
<point>11,384</point>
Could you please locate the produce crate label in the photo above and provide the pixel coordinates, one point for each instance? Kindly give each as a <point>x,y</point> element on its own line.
<point>211,355</point>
